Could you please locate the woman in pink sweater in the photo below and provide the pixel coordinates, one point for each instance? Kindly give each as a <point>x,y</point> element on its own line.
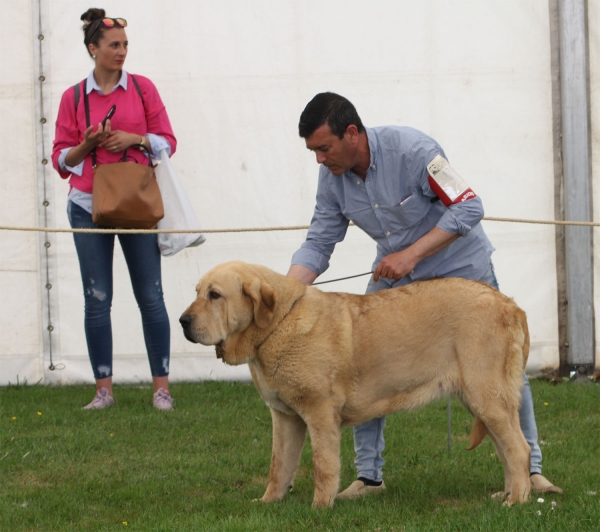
<point>140,118</point>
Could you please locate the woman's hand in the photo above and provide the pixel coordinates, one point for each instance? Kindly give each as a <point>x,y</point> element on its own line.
<point>95,138</point>
<point>118,141</point>
<point>91,139</point>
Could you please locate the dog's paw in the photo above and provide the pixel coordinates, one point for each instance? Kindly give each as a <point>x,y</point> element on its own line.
<point>323,502</point>
<point>503,496</point>
<point>508,499</point>
<point>270,498</point>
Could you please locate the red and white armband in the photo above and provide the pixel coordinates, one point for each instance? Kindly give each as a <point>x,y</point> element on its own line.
<point>446,183</point>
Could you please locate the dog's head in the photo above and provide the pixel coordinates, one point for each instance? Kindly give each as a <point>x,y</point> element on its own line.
<point>231,298</point>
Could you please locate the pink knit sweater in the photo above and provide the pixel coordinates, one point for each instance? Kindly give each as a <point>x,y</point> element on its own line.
<point>131,116</point>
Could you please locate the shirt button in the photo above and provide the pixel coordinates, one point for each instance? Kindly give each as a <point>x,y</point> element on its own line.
<point>358,182</point>
<point>388,233</point>
<point>377,205</point>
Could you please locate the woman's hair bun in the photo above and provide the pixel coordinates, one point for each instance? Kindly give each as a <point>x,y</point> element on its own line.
<point>93,13</point>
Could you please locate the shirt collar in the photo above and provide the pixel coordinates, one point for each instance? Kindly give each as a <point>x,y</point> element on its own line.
<point>92,85</point>
<point>373,145</point>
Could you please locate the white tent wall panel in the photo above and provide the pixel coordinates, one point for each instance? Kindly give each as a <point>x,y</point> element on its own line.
<point>20,353</point>
<point>235,76</point>
<point>593,7</point>
<point>521,265</point>
<point>20,311</point>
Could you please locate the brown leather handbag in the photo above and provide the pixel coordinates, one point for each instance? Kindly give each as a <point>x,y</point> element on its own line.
<point>126,195</point>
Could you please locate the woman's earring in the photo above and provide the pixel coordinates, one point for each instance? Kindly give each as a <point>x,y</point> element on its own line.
<point>94,57</point>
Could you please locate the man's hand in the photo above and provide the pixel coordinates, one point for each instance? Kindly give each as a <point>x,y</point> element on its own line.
<point>403,262</point>
<point>396,265</point>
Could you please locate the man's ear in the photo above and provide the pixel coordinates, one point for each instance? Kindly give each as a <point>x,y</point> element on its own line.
<point>263,298</point>
<point>351,133</point>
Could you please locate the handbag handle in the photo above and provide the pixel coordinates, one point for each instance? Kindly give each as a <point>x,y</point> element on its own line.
<point>141,146</point>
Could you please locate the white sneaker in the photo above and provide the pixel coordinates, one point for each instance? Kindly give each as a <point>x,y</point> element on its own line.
<point>101,401</point>
<point>162,400</point>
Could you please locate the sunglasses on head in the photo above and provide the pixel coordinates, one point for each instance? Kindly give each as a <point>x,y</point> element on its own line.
<point>108,23</point>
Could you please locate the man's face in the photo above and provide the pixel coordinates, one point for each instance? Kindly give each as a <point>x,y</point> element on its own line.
<point>339,155</point>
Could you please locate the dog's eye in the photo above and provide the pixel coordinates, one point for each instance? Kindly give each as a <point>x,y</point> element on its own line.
<point>214,295</point>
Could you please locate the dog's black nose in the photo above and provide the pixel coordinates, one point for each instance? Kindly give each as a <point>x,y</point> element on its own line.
<point>185,320</point>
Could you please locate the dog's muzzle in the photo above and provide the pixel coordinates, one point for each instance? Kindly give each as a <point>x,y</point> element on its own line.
<point>186,323</point>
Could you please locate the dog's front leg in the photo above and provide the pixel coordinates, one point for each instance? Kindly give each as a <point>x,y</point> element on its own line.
<point>289,433</point>
<point>325,436</point>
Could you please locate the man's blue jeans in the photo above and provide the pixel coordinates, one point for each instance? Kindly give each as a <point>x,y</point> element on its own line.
<point>368,437</point>
<point>95,252</point>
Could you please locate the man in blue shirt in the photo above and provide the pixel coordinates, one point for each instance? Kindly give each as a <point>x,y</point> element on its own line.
<point>379,179</point>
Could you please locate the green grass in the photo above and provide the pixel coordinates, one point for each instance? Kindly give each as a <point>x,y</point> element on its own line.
<point>200,467</point>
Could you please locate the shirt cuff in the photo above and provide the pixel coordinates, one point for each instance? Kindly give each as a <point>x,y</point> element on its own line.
<point>77,170</point>
<point>451,224</point>
<point>311,259</point>
<point>158,143</point>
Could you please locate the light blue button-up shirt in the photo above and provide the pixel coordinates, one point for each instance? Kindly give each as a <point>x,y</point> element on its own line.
<point>393,206</point>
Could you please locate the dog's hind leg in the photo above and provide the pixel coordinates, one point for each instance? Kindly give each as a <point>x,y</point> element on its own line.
<point>505,431</point>
<point>289,433</point>
<point>480,431</point>
<point>517,456</point>
<point>507,474</point>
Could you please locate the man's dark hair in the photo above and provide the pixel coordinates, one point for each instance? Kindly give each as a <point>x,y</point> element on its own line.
<point>331,109</point>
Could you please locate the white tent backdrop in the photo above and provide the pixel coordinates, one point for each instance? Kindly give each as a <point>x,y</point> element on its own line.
<point>235,76</point>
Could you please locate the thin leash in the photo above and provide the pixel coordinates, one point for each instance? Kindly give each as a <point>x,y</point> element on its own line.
<point>352,277</point>
<point>342,278</point>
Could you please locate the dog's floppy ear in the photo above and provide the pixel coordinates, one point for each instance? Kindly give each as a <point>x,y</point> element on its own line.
<point>263,298</point>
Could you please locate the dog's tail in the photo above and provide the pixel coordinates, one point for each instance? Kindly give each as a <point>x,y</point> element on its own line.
<point>478,432</point>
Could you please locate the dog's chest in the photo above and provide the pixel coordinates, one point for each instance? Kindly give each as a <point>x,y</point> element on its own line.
<point>270,396</point>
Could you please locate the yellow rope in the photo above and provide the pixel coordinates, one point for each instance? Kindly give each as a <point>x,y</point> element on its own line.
<point>259,229</point>
<point>546,222</point>
<point>153,231</point>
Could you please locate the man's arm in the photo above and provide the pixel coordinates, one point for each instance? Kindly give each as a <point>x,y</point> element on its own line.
<point>328,226</point>
<point>302,273</point>
<point>403,262</point>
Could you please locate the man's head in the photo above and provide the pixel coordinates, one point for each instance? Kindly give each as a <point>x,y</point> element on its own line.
<point>333,130</point>
<point>331,109</point>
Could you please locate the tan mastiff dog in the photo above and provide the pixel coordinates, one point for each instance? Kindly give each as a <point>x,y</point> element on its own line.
<point>324,360</point>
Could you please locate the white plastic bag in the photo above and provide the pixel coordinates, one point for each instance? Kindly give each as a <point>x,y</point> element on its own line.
<point>179,213</point>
